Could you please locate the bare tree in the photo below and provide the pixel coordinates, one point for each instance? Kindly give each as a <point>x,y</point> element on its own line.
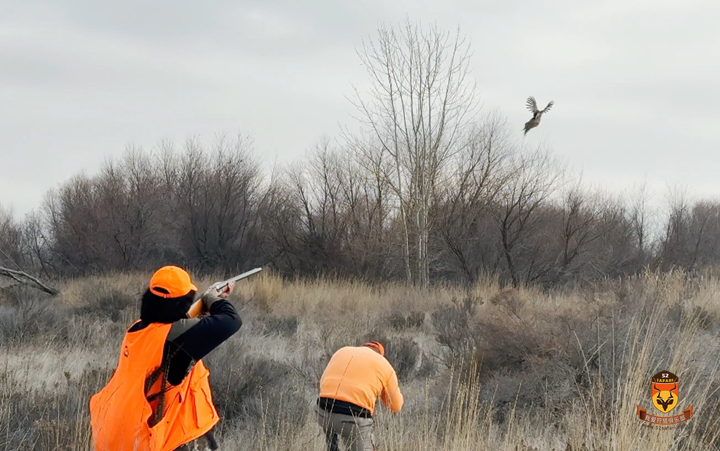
<point>38,244</point>
<point>417,112</point>
<point>316,192</point>
<point>616,250</point>
<point>11,252</point>
<point>703,226</point>
<point>674,242</point>
<point>533,177</point>
<point>15,260</point>
<point>130,201</point>
<point>339,211</point>
<point>73,220</point>
<point>579,228</point>
<point>217,194</point>
<point>471,192</point>
<point>641,220</point>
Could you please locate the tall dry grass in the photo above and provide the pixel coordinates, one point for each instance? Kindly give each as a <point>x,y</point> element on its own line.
<point>481,367</point>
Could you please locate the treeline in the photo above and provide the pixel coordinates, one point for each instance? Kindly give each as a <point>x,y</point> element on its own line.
<point>425,190</point>
<point>499,211</point>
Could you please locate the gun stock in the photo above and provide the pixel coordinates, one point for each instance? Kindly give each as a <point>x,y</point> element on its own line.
<point>197,307</point>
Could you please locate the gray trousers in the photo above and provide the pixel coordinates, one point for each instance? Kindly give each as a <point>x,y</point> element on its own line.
<point>355,432</point>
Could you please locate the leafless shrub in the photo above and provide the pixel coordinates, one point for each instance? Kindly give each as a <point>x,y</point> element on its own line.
<point>406,321</point>
<point>456,329</point>
<point>255,391</point>
<point>285,326</point>
<point>103,303</point>
<point>54,420</point>
<point>31,317</point>
<point>542,362</point>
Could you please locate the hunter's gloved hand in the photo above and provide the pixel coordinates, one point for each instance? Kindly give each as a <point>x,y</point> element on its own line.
<point>212,296</point>
<point>225,293</point>
<point>209,299</point>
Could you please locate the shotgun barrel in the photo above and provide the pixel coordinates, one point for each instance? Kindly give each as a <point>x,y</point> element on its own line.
<point>196,308</point>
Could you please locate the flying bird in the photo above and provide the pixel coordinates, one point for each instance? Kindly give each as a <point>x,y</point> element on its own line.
<point>537,114</point>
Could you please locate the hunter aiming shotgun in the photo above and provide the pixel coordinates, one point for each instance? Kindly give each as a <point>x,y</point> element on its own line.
<point>197,306</point>
<point>159,396</point>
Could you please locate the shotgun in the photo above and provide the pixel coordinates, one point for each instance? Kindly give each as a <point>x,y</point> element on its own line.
<point>196,308</point>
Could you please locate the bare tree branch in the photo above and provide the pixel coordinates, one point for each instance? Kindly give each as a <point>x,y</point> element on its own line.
<point>26,279</point>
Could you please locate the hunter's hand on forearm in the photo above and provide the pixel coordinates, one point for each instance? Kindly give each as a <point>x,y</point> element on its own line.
<point>225,293</point>
<point>212,296</point>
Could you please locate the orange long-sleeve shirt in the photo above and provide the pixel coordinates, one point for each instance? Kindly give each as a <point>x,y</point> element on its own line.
<point>360,375</point>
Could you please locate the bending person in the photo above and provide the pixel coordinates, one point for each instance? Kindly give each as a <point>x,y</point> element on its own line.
<point>352,382</point>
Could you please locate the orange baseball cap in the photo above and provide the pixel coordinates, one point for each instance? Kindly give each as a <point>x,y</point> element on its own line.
<point>171,282</point>
<point>376,345</point>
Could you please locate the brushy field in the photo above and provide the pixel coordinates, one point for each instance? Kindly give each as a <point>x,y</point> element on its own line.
<point>480,367</point>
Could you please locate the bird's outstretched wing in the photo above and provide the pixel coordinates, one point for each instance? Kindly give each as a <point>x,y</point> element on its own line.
<point>531,104</point>
<point>549,105</point>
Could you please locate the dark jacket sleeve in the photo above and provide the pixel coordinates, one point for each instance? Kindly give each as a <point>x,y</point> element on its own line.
<point>192,339</point>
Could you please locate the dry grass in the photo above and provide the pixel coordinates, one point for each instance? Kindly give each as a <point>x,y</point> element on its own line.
<point>481,368</point>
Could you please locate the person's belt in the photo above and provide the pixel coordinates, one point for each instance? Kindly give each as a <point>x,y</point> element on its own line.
<point>343,407</point>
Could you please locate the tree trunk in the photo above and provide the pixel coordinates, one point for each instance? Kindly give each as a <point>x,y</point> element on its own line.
<point>26,279</point>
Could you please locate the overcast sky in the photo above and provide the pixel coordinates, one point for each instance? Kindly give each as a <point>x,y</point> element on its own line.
<point>636,83</point>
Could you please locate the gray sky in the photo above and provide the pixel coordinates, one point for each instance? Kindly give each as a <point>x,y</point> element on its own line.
<point>635,82</point>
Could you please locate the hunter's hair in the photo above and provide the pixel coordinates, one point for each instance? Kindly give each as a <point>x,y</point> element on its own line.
<point>156,309</point>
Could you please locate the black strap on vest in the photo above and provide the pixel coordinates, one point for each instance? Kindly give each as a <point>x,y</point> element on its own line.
<point>163,370</point>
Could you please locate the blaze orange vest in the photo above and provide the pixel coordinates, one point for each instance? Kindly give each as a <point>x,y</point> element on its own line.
<point>119,413</point>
